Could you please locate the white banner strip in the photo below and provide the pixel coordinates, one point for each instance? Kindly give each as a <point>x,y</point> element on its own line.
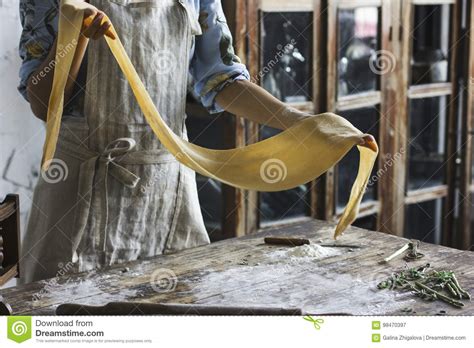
<point>238,332</point>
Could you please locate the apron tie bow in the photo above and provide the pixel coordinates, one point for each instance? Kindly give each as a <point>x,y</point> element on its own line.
<point>114,151</point>
<point>108,163</point>
<point>102,164</point>
<point>92,184</point>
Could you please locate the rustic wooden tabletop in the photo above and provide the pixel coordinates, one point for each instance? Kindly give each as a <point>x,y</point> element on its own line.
<point>247,272</point>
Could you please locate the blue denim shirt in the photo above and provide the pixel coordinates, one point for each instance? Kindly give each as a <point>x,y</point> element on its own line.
<point>213,63</point>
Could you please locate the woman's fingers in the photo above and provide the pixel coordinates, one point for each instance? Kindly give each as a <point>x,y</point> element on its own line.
<point>369,142</point>
<point>102,30</point>
<point>89,12</point>
<point>95,29</point>
<point>91,29</point>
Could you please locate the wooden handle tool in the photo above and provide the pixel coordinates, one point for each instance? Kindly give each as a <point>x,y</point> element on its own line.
<point>141,308</point>
<point>291,241</point>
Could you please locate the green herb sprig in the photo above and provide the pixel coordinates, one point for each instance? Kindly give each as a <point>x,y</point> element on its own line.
<point>429,284</point>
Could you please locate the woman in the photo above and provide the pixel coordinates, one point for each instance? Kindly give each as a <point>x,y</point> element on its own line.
<point>120,195</point>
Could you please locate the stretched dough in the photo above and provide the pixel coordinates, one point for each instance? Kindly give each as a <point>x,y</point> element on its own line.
<point>294,157</point>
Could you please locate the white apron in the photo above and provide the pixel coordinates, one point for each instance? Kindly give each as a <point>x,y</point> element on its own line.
<point>113,193</point>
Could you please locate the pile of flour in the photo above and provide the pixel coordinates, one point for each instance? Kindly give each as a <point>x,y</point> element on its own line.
<point>305,252</point>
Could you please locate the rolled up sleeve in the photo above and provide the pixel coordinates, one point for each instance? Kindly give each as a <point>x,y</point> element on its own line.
<point>214,64</point>
<point>39,19</point>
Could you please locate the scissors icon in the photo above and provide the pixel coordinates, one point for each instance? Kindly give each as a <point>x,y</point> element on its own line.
<point>316,322</point>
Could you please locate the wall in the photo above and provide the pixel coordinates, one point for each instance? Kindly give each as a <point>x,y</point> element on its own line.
<point>21,134</point>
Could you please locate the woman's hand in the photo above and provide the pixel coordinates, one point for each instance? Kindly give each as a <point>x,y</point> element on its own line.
<point>93,27</point>
<point>40,90</point>
<point>369,142</point>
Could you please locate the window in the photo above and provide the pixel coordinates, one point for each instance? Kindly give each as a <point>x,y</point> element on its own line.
<point>430,55</point>
<point>358,42</point>
<point>427,142</point>
<point>355,39</point>
<point>285,47</point>
<point>388,67</point>
<point>287,55</point>
<point>429,119</point>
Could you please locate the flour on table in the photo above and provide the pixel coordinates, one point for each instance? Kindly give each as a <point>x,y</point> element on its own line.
<point>301,284</point>
<point>86,291</point>
<point>304,253</point>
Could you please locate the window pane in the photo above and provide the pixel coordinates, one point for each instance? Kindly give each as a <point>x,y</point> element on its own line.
<point>366,119</point>
<point>427,143</point>
<point>423,221</point>
<point>209,132</point>
<point>431,44</point>
<point>286,66</point>
<point>358,42</point>
<point>367,222</point>
<point>292,203</point>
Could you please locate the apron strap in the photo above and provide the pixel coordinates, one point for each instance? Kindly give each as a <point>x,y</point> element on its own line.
<point>93,174</point>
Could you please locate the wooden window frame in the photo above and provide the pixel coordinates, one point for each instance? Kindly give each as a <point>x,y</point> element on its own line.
<point>337,104</point>
<point>255,8</point>
<point>447,89</point>
<point>241,212</point>
<point>465,238</point>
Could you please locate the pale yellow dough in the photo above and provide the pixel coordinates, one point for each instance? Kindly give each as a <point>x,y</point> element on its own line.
<point>294,157</point>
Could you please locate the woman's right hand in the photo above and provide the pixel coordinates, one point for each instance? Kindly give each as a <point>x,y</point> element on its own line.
<point>93,28</point>
<point>39,92</point>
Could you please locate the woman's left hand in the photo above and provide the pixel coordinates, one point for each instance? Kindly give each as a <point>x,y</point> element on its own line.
<point>369,142</point>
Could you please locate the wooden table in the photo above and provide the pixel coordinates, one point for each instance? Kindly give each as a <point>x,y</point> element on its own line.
<point>247,272</point>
